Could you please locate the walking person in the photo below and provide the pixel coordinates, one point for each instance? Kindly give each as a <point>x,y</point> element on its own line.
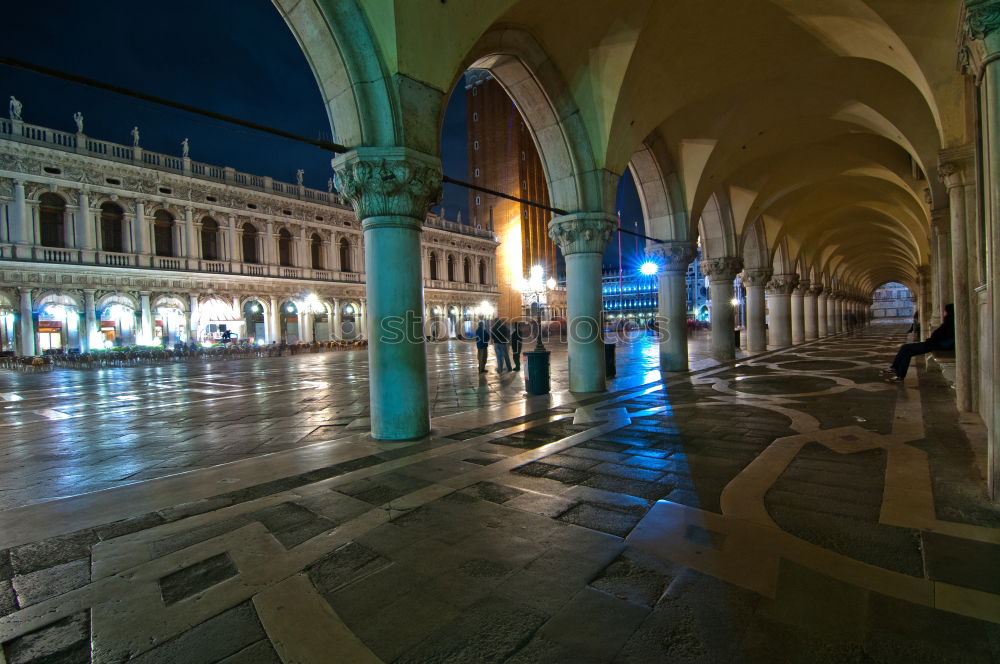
<point>515,344</point>
<point>482,345</point>
<point>500,340</point>
<point>942,338</point>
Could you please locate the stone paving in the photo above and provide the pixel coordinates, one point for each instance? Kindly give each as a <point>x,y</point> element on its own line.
<point>788,507</point>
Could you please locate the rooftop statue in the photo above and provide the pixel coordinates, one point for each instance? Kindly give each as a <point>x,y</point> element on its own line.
<point>184,148</point>
<point>135,136</point>
<point>298,176</point>
<point>78,119</point>
<point>15,109</point>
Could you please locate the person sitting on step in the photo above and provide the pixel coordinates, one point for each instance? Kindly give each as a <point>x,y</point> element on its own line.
<point>942,338</point>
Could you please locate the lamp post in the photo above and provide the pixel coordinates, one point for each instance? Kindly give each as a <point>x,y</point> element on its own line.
<point>534,289</point>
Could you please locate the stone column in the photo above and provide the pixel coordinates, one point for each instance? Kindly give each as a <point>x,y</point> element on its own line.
<point>85,228</point>
<point>822,304</point>
<point>20,232</point>
<point>810,308</point>
<point>674,258</point>
<point>798,312</point>
<point>272,321</point>
<point>582,237</point>
<point>192,236</point>
<point>721,272</point>
<point>234,240</point>
<point>756,333</point>
<point>838,311</point>
<point>26,330</point>
<point>267,244</point>
<point>141,229</point>
<point>958,175</point>
<point>390,189</point>
<point>362,319</point>
<point>146,333</point>
<point>337,331</point>
<point>193,318</point>
<point>779,295</point>
<point>305,326</point>
<point>941,265</point>
<point>90,339</point>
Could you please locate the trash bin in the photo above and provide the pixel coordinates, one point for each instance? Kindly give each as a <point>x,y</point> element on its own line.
<point>537,380</point>
<point>610,367</point>
<point>736,337</point>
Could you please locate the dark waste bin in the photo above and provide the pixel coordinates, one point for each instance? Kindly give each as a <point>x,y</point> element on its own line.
<point>736,337</point>
<point>610,367</point>
<point>537,380</point>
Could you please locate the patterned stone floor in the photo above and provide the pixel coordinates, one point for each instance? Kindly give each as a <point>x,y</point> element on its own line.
<point>791,507</point>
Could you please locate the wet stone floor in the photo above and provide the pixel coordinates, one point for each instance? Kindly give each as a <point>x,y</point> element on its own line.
<point>790,507</point>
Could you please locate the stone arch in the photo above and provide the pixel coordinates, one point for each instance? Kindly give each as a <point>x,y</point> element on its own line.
<point>660,193</point>
<point>755,252</point>
<point>343,53</point>
<point>122,299</point>
<point>64,298</point>
<point>521,66</point>
<point>716,228</point>
<point>169,300</point>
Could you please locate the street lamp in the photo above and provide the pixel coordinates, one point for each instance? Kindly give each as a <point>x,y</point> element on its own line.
<point>533,289</point>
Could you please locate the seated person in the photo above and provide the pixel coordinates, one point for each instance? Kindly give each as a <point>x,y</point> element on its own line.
<point>942,338</point>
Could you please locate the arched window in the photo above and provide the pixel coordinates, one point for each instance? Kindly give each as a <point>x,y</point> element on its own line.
<point>163,233</point>
<point>467,270</point>
<point>249,242</point>
<point>482,271</point>
<point>451,268</point>
<point>112,217</point>
<point>52,220</point>
<point>284,247</point>
<point>209,239</point>
<point>434,266</point>
<point>345,255</point>
<point>316,251</point>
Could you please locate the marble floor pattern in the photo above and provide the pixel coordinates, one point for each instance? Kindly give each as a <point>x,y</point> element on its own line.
<point>787,507</point>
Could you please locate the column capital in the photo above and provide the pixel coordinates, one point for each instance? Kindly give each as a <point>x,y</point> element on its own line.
<point>388,182</point>
<point>816,290</point>
<point>722,269</point>
<point>757,277</point>
<point>582,232</point>
<point>802,289</point>
<point>675,255</point>
<point>956,166</point>
<point>782,284</point>
<point>982,18</point>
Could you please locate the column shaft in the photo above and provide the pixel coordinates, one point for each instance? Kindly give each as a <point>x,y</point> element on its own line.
<point>798,315</point>
<point>672,302</point>
<point>91,337</point>
<point>19,229</point>
<point>26,331</point>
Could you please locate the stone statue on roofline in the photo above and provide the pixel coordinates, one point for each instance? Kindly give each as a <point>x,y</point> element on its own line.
<point>78,119</point>
<point>185,148</point>
<point>329,186</point>
<point>135,137</point>
<point>299,174</point>
<point>15,109</point>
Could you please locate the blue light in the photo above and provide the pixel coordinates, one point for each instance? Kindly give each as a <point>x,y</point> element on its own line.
<point>649,268</point>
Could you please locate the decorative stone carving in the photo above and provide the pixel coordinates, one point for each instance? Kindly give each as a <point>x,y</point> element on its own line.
<point>782,284</point>
<point>674,256</point>
<point>756,277</point>
<point>941,221</point>
<point>388,182</point>
<point>582,232</point>
<point>981,20</point>
<point>722,269</point>
<point>816,289</point>
<point>803,288</point>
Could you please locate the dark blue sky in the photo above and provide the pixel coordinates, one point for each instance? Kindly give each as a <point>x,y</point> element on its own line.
<point>236,58</point>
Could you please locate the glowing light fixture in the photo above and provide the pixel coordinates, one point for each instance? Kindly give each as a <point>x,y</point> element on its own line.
<point>649,268</point>
<point>734,302</point>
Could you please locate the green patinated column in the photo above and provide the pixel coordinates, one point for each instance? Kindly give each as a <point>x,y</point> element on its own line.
<point>390,190</point>
<point>674,258</point>
<point>982,32</point>
<point>582,237</point>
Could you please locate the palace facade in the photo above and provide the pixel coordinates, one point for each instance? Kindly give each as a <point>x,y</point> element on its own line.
<point>104,244</point>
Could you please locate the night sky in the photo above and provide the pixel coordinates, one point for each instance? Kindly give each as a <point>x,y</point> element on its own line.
<point>243,62</point>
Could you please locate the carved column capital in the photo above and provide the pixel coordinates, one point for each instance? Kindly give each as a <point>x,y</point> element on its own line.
<point>756,277</point>
<point>982,19</point>
<point>956,166</point>
<point>582,232</point>
<point>802,289</point>
<point>722,269</point>
<point>816,290</point>
<point>941,221</point>
<point>782,284</point>
<point>388,182</point>
<point>673,256</point>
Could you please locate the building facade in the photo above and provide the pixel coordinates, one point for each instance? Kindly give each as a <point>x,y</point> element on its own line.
<point>502,156</point>
<point>893,300</point>
<point>634,297</point>
<point>103,244</point>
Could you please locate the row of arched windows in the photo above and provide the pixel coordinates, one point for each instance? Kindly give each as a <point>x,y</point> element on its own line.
<point>52,228</point>
<point>450,263</point>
